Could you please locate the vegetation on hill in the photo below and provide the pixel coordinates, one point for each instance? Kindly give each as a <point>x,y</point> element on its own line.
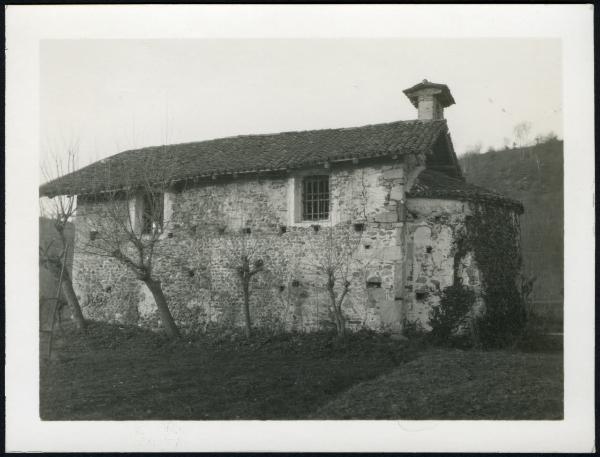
<point>452,384</point>
<point>533,175</point>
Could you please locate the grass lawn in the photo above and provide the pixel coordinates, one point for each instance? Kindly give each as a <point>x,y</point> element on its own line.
<point>454,384</point>
<point>129,374</point>
<point>117,373</point>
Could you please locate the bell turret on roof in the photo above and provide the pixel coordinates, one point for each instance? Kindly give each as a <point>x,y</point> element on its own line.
<point>430,99</point>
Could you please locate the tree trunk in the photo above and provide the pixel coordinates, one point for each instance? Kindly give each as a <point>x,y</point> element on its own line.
<point>342,323</point>
<point>67,290</point>
<point>339,322</point>
<point>163,310</point>
<point>248,322</point>
<point>337,312</point>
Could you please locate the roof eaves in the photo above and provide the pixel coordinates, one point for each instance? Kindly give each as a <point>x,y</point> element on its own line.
<point>302,165</point>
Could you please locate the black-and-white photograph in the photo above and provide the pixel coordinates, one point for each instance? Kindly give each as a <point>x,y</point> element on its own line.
<point>301,229</point>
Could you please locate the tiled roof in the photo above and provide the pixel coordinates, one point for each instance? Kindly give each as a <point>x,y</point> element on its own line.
<point>249,153</point>
<point>435,184</point>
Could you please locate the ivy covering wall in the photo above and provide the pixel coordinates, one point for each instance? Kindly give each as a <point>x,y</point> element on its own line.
<point>492,235</point>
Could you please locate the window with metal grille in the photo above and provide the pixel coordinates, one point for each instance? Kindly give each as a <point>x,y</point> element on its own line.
<point>152,212</point>
<point>315,198</point>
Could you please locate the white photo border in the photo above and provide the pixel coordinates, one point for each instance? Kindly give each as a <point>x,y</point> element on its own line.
<point>27,25</point>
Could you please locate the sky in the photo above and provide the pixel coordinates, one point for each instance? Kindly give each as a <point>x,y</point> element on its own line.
<point>108,96</point>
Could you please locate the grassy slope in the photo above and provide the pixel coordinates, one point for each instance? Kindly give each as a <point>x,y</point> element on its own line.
<point>129,374</point>
<point>534,176</point>
<point>454,384</point>
<point>119,374</point>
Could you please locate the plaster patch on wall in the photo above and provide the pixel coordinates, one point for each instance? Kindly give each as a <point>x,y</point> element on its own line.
<point>432,267</point>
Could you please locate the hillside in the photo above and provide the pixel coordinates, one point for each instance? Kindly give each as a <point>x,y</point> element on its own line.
<point>533,175</point>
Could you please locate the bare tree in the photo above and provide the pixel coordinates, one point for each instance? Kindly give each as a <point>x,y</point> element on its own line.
<point>128,225</point>
<point>244,256</point>
<point>522,131</point>
<point>54,254</point>
<point>243,251</point>
<point>334,263</point>
<point>549,137</point>
<point>474,148</point>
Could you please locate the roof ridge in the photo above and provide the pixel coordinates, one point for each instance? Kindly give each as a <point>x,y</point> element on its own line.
<point>257,135</point>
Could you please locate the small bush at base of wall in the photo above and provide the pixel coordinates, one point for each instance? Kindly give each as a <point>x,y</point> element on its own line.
<point>492,233</point>
<point>449,320</point>
<point>504,321</point>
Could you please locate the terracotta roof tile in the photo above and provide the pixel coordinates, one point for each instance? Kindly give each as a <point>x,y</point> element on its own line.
<point>249,153</point>
<point>434,184</point>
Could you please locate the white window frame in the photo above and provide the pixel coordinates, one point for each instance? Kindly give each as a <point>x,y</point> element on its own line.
<point>136,212</point>
<point>294,196</point>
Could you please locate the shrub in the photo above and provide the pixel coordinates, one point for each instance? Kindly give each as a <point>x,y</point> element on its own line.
<point>504,319</point>
<point>413,330</point>
<point>492,234</point>
<point>448,319</point>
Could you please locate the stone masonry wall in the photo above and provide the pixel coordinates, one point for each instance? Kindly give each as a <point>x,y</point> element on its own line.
<point>433,229</point>
<point>401,260</point>
<point>197,257</point>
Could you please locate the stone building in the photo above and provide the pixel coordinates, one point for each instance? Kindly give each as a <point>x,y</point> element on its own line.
<point>389,200</point>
